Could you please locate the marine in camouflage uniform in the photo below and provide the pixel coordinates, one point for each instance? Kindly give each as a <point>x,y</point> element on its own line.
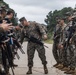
<point>55,44</point>
<point>61,50</point>
<point>71,52</point>
<point>67,53</point>
<point>59,55</point>
<point>35,30</point>
<point>61,42</point>
<point>2,14</point>
<point>65,48</point>
<point>3,28</point>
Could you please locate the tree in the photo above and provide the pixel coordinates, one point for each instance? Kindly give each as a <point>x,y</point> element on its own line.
<point>51,17</point>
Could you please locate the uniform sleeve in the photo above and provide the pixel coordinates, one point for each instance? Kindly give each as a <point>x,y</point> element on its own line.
<point>41,29</point>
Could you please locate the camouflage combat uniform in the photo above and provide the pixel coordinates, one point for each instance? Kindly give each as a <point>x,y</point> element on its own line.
<point>71,52</point>
<point>35,30</point>
<point>73,57</point>
<point>68,52</point>
<point>66,46</point>
<point>56,41</point>
<point>61,41</point>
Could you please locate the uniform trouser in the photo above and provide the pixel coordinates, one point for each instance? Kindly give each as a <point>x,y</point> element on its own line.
<point>55,52</point>
<point>71,56</point>
<point>65,61</point>
<point>60,53</point>
<point>68,56</point>
<point>65,55</point>
<point>31,47</point>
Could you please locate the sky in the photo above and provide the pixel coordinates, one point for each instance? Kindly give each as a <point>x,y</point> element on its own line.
<point>36,10</point>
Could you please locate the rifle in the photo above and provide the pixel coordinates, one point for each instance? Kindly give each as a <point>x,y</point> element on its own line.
<point>16,43</point>
<point>4,48</point>
<point>10,61</point>
<point>35,40</point>
<point>17,55</point>
<point>22,51</point>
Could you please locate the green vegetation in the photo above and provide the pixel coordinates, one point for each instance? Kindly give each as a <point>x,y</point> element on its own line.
<point>52,17</point>
<point>51,20</point>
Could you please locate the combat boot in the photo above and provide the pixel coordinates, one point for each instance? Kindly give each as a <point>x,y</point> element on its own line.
<point>45,69</point>
<point>65,69</point>
<point>29,70</point>
<point>71,71</point>
<point>59,66</point>
<point>55,65</point>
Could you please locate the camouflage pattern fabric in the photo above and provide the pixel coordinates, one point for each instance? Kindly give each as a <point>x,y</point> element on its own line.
<point>35,30</point>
